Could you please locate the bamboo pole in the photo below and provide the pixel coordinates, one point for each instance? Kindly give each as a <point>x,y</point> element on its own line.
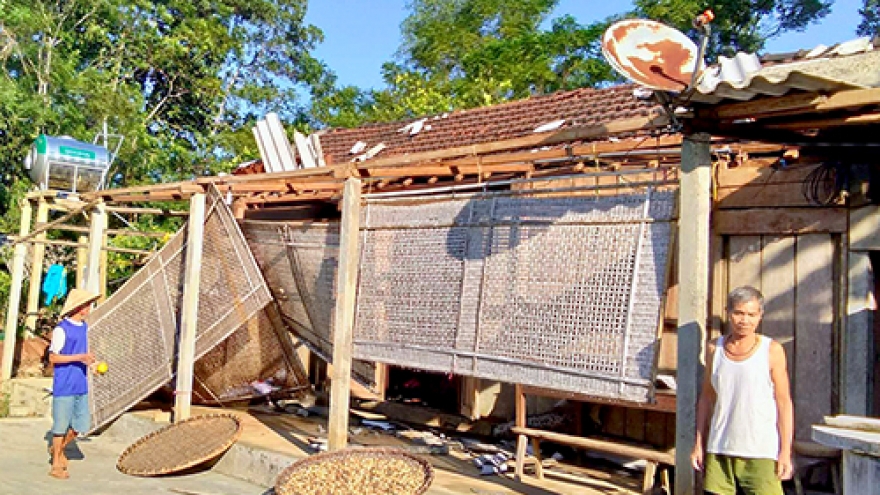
<point>195,239</point>
<point>347,271</point>
<point>18,257</point>
<point>33,301</point>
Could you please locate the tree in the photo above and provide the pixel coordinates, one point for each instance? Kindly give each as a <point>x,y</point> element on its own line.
<point>870,25</point>
<point>739,25</point>
<point>466,53</point>
<point>182,80</point>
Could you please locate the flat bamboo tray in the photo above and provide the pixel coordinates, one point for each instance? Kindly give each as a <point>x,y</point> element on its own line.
<point>354,471</point>
<point>180,446</point>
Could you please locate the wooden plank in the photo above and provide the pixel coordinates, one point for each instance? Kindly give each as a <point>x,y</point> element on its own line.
<point>635,424</point>
<point>18,258</point>
<point>779,221</point>
<point>693,303</point>
<point>812,361</point>
<point>769,195</point>
<point>864,228</point>
<point>795,104</point>
<point>343,327</point>
<point>777,282</point>
<point>755,176</point>
<point>663,402</point>
<point>743,262</point>
<point>189,312</point>
<point>614,421</point>
<point>35,286</point>
<point>655,428</point>
<point>82,259</point>
<point>719,285</point>
<point>606,446</point>
<point>855,359</point>
<point>97,223</point>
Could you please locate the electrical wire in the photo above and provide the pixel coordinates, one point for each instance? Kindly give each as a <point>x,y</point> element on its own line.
<point>825,184</point>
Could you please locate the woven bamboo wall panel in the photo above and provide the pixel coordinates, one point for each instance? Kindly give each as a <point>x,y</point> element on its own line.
<point>299,263</point>
<point>557,292</point>
<point>261,349</point>
<point>135,330</point>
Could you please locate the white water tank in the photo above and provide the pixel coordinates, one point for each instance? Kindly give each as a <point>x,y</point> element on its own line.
<point>65,164</point>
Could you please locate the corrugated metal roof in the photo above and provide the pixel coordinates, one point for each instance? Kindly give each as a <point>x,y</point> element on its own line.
<point>850,65</point>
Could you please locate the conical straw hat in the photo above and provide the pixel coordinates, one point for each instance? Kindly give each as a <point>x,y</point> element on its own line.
<point>77,298</point>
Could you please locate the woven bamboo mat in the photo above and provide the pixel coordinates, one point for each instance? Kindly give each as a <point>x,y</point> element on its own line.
<point>180,446</point>
<point>366,471</point>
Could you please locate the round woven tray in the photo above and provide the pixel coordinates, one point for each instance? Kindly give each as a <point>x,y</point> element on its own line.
<point>367,471</point>
<point>180,446</point>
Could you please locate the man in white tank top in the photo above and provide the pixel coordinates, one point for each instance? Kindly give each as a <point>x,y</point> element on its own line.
<point>745,418</point>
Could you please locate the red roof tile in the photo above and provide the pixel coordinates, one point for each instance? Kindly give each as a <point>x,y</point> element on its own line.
<point>584,106</point>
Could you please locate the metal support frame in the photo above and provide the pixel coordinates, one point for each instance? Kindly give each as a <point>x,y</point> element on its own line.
<point>18,258</point>
<point>186,348</point>
<point>693,302</point>
<point>346,286</point>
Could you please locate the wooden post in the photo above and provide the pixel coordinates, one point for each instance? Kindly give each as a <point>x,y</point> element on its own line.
<point>520,421</point>
<point>102,265</point>
<point>346,285</point>
<point>82,260</point>
<point>695,196</point>
<point>96,237</point>
<point>18,257</point>
<point>33,302</point>
<point>186,348</point>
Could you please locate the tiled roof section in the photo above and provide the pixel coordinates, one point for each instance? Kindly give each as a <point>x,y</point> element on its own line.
<point>584,106</point>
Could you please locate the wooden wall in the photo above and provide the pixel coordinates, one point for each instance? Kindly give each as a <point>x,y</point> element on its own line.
<point>798,276</point>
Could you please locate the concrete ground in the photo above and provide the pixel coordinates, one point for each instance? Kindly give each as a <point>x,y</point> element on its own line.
<point>24,468</point>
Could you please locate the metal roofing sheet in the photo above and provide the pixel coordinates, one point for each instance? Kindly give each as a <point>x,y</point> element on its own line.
<point>743,77</point>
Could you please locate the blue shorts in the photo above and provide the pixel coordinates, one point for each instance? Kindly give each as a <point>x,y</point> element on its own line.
<point>70,412</point>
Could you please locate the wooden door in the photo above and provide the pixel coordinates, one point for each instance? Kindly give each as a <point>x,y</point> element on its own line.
<point>798,277</point>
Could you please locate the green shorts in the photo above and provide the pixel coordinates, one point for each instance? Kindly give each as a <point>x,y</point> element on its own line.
<point>754,476</point>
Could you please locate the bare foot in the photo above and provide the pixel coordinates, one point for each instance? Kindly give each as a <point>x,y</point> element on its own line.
<point>59,472</point>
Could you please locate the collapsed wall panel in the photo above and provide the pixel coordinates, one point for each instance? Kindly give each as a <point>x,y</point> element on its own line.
<point>135,330</point>
<point>299,261</point>
<point>556,292</point>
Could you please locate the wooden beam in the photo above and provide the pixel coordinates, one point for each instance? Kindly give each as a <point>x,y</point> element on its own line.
<point>83,245</point>
<point>346,283</point>
<point>795,104</point>
<point>195,238</point>
<point>98,221</point>
<point>119,232</point>
<point>615,448</point>
<point>693,281</point>
<point>779,221</point>
<point>856,359</point>
<point>18,258</point>
<point>147,211</point>
<point>82,259</point>
<point>39,252</point>
<point>53,223</point>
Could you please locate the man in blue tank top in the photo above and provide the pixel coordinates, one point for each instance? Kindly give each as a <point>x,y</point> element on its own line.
<point>745,419</point>
<point>70,357</point>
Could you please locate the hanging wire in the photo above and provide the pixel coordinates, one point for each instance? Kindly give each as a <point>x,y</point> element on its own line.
<point>825,185</point>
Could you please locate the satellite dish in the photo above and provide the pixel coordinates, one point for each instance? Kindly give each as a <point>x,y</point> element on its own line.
<point>651,54</point>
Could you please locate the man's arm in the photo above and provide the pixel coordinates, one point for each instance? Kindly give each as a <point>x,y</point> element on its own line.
<point>705,405</point>
<point>784,409</point>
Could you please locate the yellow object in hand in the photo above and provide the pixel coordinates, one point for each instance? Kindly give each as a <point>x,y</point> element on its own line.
<point>101,368</point>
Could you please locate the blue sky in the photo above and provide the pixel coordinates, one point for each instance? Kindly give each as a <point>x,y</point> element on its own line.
<point>359,35</point>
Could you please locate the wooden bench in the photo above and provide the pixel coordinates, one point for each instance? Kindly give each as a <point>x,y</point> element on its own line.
<point>654,458</point>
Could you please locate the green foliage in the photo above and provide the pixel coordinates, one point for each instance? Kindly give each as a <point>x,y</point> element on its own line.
<point>870,25</point>
<point>468,53</point>
<point>739,25</point>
